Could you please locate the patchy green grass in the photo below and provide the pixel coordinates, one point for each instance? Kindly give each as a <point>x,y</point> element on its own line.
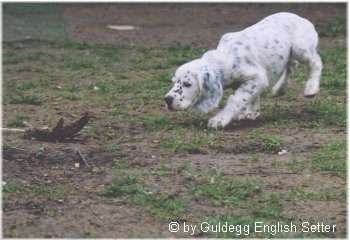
<point>228,192</point>
<point>332,111</point>
<point>17,121</point>
<point>269,143</point>
<point>58,192</point>
<point>196,144</point>
<point>161,207</point>
<point>332,159</point>
<point>125,186</point>
<point>12,188</point>
<point>33,99</point>
<point>333,28</point>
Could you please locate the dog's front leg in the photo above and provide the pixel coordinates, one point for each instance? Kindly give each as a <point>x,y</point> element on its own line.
<point>244,96</point>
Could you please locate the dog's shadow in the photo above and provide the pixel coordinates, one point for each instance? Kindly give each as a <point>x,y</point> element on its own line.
<point>302,116</point>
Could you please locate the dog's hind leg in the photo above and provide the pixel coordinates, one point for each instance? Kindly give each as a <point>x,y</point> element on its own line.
<point>281,85</point>
<point>312,85</point>
<point>305,51</point>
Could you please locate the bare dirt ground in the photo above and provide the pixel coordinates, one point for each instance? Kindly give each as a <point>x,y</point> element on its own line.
<point>81,211</point>
<point>164,24</point>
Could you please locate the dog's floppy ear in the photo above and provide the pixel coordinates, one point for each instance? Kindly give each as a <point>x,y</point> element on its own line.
<point>210,91</point>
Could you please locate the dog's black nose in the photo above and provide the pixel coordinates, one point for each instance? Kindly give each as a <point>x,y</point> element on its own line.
<point>168,100</point>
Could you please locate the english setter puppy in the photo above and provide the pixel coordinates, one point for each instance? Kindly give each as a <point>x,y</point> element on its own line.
<point>251,60</point>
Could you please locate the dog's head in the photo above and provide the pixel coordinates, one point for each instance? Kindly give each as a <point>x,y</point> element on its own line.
<point>194,84</point>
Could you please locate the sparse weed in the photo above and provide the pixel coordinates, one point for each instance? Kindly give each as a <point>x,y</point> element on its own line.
<point>72,88</point>
<point>113,148</point>
<point>276,113</point>
<point>17,121</point>
<point>121,164</point>
<point>174,206</point>
<point>164,208</point>
<point>332,111</point>
<point>6,146</point>
<point>25,85</point>
<point>12,187</point>
<point>102,86</point>
<point>50,212</point>
<point>11,233</point>
<point>117,111</point>
<point>126,186</point>
<point>298,193</point>
<point>228,192</point>
<point>269,143</point>
<point>77,64</point>
<point>334,73</point>
<point>52,193</point>
<point>154,123</point>
<point>333,28</point>
<point>26,99</point>
<point>176,54</point>
<point>331,159</point>
<point>89,234</point>
<point>72,96</point>
<point>194,145</point>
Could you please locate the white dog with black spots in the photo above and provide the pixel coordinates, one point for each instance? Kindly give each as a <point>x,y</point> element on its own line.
<point>263,55</point>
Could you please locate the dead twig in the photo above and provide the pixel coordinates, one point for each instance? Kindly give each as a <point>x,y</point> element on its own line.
<point>83,159</point>
<point>13,130</point>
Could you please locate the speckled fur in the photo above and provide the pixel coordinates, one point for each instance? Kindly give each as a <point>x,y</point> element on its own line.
<point>262,55</point>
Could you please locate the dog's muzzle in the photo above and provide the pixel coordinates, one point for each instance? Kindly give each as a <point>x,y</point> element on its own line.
<point>169,101</point>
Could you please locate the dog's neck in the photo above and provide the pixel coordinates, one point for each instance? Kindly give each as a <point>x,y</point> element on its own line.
<point>222,65</point>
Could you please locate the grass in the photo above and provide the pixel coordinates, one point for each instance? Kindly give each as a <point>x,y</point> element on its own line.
<point>52,193</point>
<point>125,186</point>
<point>58,192</point>
<point>53,212</point>
<point>26,99</point>
<point>161,207</point>
<point>265,209</point>
<point>335,27</point>
<point>196,143</point>
<point>25,85</point>
<point>117,111</point>
<point>6,146</point>
<point>152,123</point>
<point>269,143</point>
<point>332,159</point>
<point>120,164</point>
<point>332,111</point>
<point>17,121</point>
<point>12,188</point>
<point>228,192</point>
<point>299,193</point>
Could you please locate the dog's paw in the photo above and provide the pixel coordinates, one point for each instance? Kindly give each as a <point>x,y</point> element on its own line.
<point>248,115</point>
<point>311,89</point>
<point>219,121</point>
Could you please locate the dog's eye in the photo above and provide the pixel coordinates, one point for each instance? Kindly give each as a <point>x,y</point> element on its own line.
<point>186,84</point>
